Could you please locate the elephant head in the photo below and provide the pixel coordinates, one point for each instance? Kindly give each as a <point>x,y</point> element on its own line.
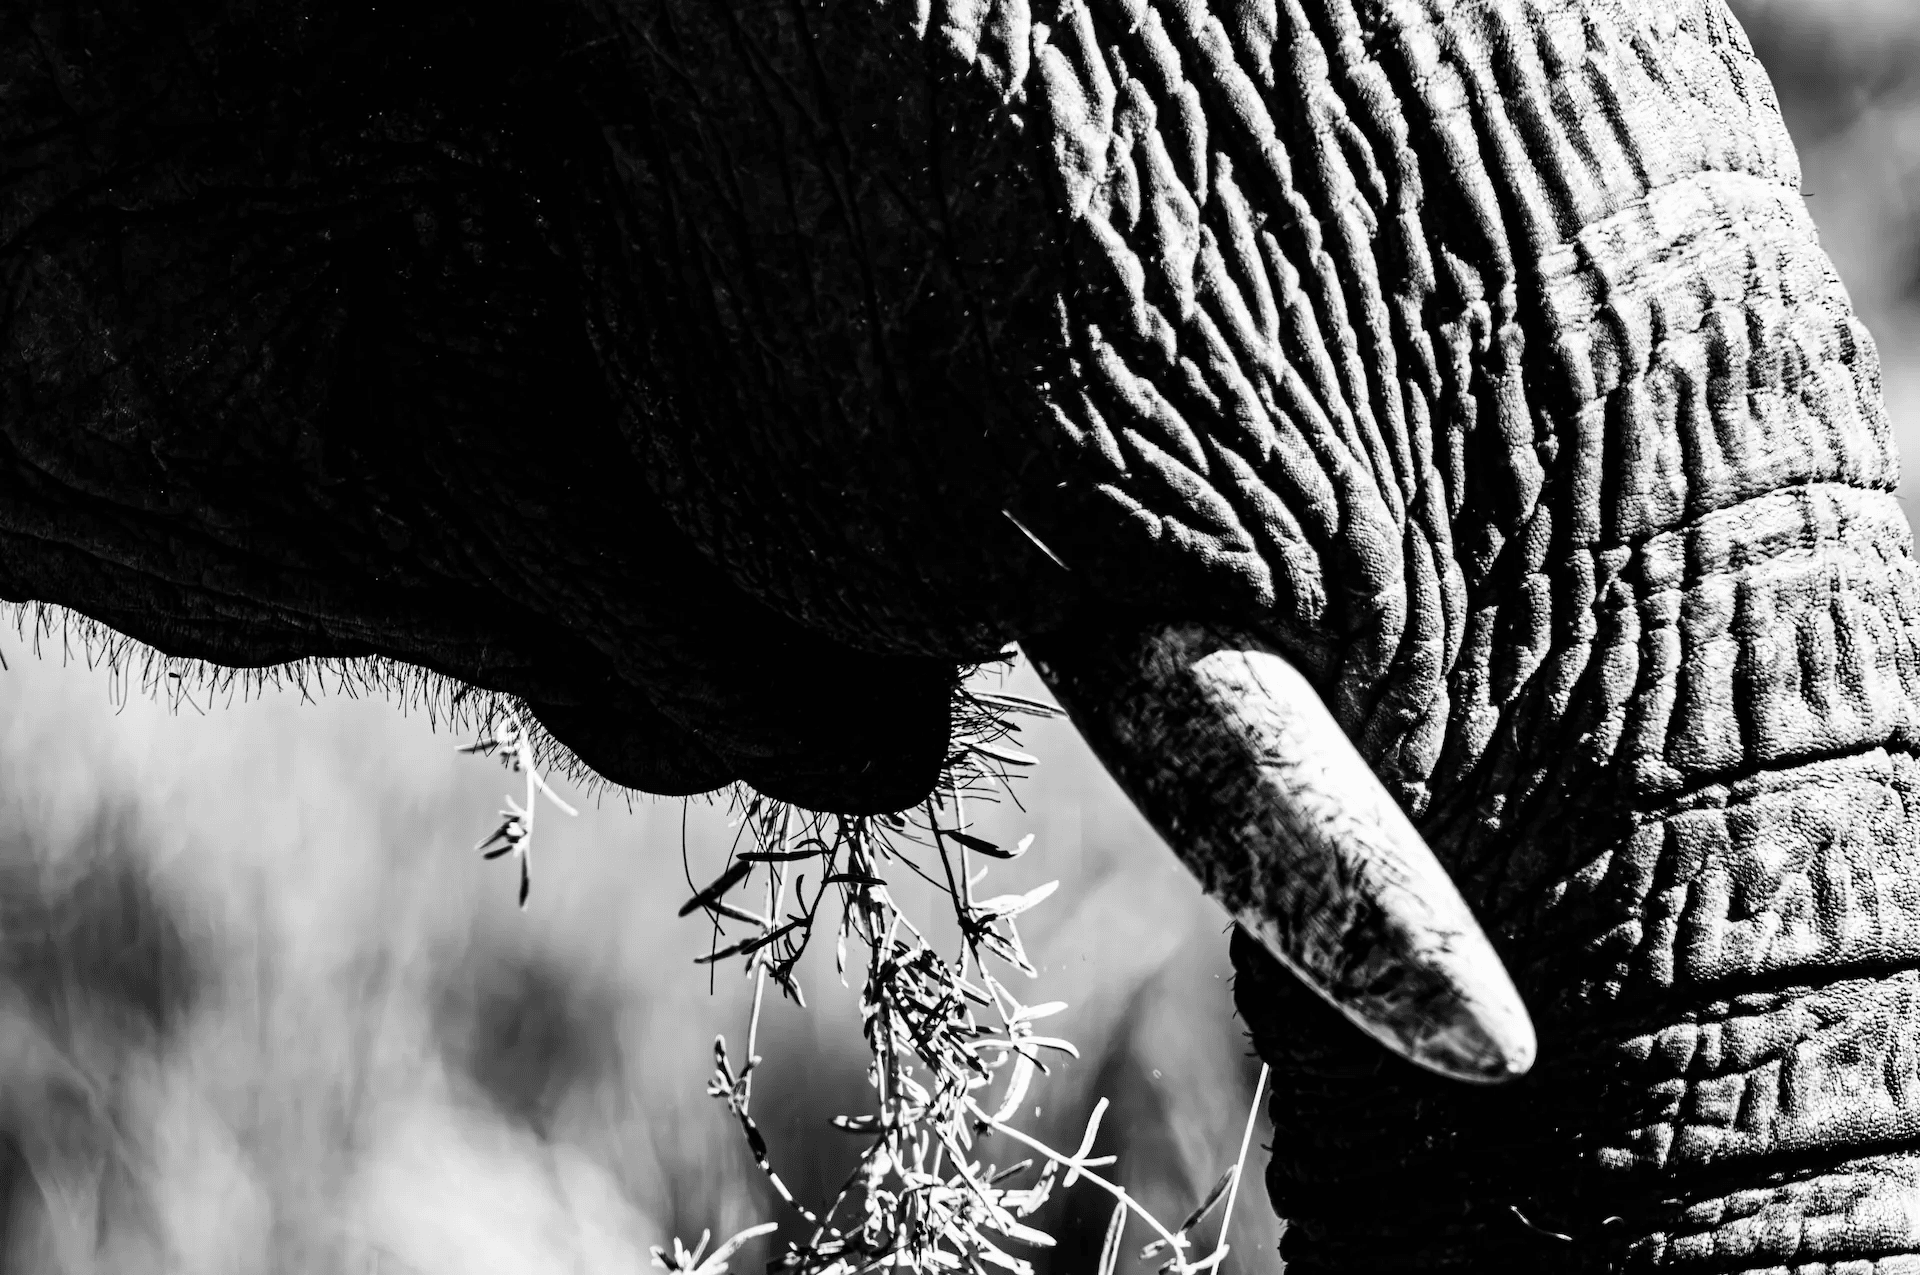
<point>718,377</point>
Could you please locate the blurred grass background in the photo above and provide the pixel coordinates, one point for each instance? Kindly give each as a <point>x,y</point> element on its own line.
<point>261,1008</point>
<point>264,1009</point>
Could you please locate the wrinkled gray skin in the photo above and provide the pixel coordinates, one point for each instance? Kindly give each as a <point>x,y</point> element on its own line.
<point>690,368</point>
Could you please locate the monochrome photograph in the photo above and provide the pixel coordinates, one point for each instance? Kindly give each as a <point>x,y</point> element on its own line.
<point>959,637</point>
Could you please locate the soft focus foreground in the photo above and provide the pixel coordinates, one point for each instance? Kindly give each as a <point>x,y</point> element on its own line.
<point>263,1009</point>
<point>266,1010</point>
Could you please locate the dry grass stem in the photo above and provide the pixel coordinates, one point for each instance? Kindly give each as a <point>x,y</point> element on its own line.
<point>953,1051</point>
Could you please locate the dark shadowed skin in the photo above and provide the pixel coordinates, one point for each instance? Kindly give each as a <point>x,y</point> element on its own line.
<point>719,377</point>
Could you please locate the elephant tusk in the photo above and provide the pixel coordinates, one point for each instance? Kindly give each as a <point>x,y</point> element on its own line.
<point>1230,753</point>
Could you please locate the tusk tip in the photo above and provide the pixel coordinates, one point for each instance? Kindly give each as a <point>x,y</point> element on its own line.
<point>1442,1001</point>
<point>1478,1043</point>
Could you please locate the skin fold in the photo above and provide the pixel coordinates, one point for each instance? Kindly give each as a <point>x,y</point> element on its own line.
<point>720,378</point>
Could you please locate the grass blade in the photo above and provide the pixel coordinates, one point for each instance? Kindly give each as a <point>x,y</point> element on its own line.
<point>1110,1248</point>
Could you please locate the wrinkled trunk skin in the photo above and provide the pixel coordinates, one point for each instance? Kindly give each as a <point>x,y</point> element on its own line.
<point>716,377</point>
<point>1678,780</point>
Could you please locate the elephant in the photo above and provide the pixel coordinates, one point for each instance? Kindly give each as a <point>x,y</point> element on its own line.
<point>715,379</point>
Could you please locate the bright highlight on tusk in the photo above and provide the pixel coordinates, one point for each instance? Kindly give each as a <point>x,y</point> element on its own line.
<point>1228,750</point>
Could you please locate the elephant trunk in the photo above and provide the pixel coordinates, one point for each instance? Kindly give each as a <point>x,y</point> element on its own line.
<point>1726,964</point>
<point>1690,811</point>
<point>1670,758</point>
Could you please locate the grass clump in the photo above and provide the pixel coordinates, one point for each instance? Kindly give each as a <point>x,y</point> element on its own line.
<point>954,1049</point>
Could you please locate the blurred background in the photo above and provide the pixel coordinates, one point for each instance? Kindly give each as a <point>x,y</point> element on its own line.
<point>262,1008</point>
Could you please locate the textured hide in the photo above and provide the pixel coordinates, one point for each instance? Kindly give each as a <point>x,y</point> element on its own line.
<point>717,376</point>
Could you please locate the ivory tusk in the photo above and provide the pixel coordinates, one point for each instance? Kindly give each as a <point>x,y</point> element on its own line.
<point>1229,752</point>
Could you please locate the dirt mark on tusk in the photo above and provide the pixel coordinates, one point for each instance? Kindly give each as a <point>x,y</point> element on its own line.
<point>1230,754</point>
